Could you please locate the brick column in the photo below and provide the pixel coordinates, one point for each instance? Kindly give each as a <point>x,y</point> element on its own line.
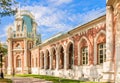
<point>65,59</point>
<point>57,59</point>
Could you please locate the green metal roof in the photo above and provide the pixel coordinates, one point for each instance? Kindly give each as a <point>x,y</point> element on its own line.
<point>27,20</point>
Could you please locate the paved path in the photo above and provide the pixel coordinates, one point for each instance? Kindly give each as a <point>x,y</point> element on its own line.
<point>28,80</point>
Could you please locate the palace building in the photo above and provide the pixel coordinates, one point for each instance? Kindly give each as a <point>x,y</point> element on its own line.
<point>90,51</point>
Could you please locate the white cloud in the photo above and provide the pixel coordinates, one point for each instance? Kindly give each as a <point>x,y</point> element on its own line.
<point>51,19</point>
<point>82,18</point>
<point>59,2</point>
<point>2,35</point>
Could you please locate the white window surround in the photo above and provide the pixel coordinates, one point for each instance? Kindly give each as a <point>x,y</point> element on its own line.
<point>95,45</point>
<point>79,49</point>
<point>101,53</point>
<point>84,53</point>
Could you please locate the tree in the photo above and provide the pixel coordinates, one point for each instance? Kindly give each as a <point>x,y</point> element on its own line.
<point>7,7</point>
<point>3,52</point>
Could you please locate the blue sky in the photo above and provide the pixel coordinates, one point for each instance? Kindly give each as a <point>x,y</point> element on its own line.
<point>54,16</point>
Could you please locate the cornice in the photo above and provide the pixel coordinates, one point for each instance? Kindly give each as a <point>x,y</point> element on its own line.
<point>85,26</point>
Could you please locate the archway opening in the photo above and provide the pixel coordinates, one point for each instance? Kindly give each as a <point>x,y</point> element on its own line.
<point>47,60</point>
<point>54,59</point>
<point>83,52</point>
<point>70,57</point>
<point>61,62</point>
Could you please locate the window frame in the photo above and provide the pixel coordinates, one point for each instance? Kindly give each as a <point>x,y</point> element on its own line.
<point>19,62</point>
<point>86,61</point>
<point>103,54</point>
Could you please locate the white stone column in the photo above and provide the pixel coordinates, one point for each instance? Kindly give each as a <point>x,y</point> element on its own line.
<point>45,61</point>
<point>95,51</point>
<point>25,57</point>
<point>9,72</point>
<point>117,47</point>
<point>65,59</point>
<point>41,57</point>
<point>51,61</point>
<point>57,59</point>
<point>108,69</point>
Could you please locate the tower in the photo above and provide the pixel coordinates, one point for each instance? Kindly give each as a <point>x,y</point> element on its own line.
<point>22,37</point>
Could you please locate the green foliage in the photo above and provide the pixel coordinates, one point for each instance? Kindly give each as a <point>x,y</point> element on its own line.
<point>54,79</point>
<point>5,81</point>
<point>7,7</point>
<point>3,50</point>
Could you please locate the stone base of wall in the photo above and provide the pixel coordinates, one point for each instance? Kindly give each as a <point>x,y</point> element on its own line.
<point>91,73</point>
<point>9,71</point>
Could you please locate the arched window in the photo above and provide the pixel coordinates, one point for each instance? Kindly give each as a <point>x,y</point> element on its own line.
<point>101,53</point>
<point>18,61</point>
<point>18,46</point>
<point>83,51</point>
<point>84,55</point>
<point>101,46</point>
<point>61,60</point>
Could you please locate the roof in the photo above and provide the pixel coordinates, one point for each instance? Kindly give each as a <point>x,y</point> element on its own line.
<point>27,20</point>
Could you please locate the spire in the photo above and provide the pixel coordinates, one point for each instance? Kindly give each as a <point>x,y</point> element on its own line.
<point>18,11</point>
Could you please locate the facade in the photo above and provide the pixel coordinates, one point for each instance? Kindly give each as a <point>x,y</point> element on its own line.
<point>21,38</point>
<point>90,51</point>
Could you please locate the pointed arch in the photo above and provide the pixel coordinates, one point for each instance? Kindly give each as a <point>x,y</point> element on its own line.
<point>83,51</point>
<point>47,53</point>
<point>53,57</point>
<point>70,55</point>
<point>61,56</point>
<point>100,46</point>
<point>18,61</point>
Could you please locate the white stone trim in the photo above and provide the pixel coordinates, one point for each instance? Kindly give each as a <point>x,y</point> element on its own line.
<point>79,50</point>
<point>66,52</point>
<point>95,45</point>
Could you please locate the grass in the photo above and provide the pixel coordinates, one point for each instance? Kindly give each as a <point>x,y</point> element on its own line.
<point>54,79</point>
<point>5,80</point>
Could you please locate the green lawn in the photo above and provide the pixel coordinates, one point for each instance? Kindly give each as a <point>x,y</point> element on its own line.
<point>5,81</point>
<point>54,79</point>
